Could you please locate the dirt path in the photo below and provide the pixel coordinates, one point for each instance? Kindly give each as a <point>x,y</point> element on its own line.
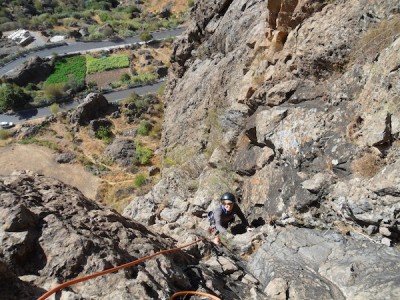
<point>42,161</point>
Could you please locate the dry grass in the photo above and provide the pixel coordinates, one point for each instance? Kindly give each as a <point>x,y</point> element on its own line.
<point>367,165</point>
<point>342,227</point>
<point>352,130</point>
<point>271,219</point>
<point>376,39</point>
<point>163,54</point>
<point>177,6</point>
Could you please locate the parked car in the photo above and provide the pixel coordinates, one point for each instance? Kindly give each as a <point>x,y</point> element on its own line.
<point>6,124</point>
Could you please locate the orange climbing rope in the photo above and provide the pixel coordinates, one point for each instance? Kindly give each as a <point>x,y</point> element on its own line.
<point>132,263</point>
<point>178,294</point>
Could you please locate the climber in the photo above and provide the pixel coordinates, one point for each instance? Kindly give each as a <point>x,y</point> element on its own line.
<point>223,215</point>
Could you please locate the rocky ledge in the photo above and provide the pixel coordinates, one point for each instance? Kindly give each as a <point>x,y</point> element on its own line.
<point>50,233</point>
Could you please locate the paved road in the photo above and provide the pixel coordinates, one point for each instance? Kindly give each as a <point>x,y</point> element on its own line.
<point>75,47</point>
<point>34,113</point>
<point>72,47</point>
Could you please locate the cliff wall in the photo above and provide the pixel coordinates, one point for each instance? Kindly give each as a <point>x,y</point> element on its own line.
<point>294,107</point>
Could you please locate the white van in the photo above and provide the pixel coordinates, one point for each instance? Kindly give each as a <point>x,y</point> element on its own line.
<point>6,124</point>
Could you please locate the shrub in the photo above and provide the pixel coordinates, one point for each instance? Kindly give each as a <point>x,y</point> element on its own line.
<point>155,132</point>
<point>142,103</point>
<point>13,97</point>
<point>366,166</point>
<point>143,154</point>
<point>54,90</point>
<point>4,134</point>
<point>145,36</point>
<point>43,143</point>
<point>92,85</point>
<point>54,108</point>
<point>144,128</point>
<point>140,180</point>
<point>133,98</point>
<point>104,134</point>
<point>161,89</point>
<point>143,78</point>
<point>96,36</point>
<point>74,84</point>
<point>125,77</point>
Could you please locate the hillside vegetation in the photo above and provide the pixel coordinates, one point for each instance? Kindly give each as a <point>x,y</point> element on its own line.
<point>124,18</point>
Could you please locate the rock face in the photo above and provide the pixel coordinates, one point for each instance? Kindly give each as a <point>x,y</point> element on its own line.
<point>50,233</point>
<point>291,105</point>
<point>296,112</point>
<point>304,128</point>
<point>312,264</point>
<point>34,70</point>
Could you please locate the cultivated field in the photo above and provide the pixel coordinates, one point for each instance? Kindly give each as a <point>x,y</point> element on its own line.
<point>103,79</point>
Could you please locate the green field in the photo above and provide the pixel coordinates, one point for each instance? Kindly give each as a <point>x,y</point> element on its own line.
<point>67,68</point>
<point>95,65</point>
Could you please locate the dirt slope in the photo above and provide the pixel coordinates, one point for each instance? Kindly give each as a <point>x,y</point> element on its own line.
<point>42,160</point>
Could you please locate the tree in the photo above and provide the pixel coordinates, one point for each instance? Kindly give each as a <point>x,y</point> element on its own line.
<point>13,97</point>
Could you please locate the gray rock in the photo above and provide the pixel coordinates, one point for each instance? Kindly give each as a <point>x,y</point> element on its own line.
<point>77,237</point>
<point>34,70</point>
<point>281,92</point>
<point>65,158</point>
<point>317,182</point>
<point>306,263</point>
<point>267,121</point>
<point>153,170</point>
<point>219,157</point>
<point>130,132</point>
<point>385,231</point>
<point>122,151</point>
<point>386,241</point>
<point>251,159</point>
<point>94,106</point>
<point>372,229</point>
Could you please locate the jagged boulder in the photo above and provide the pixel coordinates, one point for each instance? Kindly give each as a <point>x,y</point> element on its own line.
<point>94,106</point>
<point>34,70</point>
<point>65,158</point>
<point>122,151</point>
<point>8,46</point>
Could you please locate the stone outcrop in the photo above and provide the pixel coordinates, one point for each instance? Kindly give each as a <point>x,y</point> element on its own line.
<point>121,151</point>
<point>50,233</point>
<point>312,264</point>
<point>93,106</point>
<point>34,70</point>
